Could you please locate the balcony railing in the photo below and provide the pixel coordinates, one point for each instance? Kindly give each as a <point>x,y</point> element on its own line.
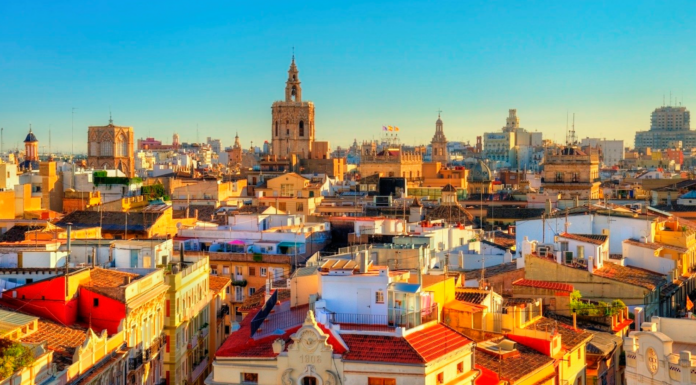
<point>395,317</point>
<point>224,310</point>
<point>136,361</point>
<point>198,370</point>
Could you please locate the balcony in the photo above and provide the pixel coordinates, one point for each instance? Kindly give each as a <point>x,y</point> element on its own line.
<point>396,317</point>
<point>198,370</point>
<point>204,331</point>
<point>136,361</point>
<point>224,310</point>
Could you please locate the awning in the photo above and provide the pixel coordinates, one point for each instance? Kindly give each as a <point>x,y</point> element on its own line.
<point>290,244</point>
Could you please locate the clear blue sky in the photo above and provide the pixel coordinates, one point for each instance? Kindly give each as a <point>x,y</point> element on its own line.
<point>170,66</point>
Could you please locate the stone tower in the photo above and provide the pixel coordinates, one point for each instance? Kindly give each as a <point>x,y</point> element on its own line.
<point>439,143</point>
<point>292,127</point>
<point>31,147</point>
<point>111,147</point>
<point>235,153</point>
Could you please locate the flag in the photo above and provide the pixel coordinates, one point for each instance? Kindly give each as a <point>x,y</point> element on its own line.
<point>396,128</point>
<point>390,128</point>
<point>384,128</point>
<point>689,304</point>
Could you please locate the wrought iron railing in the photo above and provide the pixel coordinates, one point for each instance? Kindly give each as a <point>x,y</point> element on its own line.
<point>136,361</point>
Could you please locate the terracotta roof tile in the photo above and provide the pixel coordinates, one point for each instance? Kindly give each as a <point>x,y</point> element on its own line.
<point>570,338</point>
<point>491,271</point>
<point>647,245</point>
<point>218,283</point>
<point>436,341</point>
<point>557,286</point>
<point>380,348</point>
<point>630,275</point>
<point>110,283</point>
<point>596,239</point>
<point>62,340</point>
<point>471,296</point>
<point>511,368</point>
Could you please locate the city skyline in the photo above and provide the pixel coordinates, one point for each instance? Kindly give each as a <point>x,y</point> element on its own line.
<point>170,70</point>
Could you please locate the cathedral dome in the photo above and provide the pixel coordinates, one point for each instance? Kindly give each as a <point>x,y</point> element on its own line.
<point>480,172</point>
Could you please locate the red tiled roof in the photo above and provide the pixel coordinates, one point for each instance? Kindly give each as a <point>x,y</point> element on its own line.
<point>240,344</point>
<point>218,283</point>
<point>380,348</point>
<point>558,286</point>
<point>435,341</point>
<point>630,275</point>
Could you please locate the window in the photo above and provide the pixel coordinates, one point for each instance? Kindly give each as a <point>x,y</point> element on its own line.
<point>300,207</point>
<point>381,381</point>
<point>238,294</point>
<point>301,128</point>
<point>283,206</point>
<point>309,381</point>
<point>250,378</point>
<point>264,271</point>
<point>95,302</point>
<point>225,270</point>
<point>276,134</point>
<point>286,190</point>
<point>379,296</point>
<point>440,378</point>
<point>570,360</point>
<point>252,271</point>
<point>252,290</point>
<point>579,353</point>
<point>460,368</point>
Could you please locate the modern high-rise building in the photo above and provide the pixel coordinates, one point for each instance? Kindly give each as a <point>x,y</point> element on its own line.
<point>439,144</point>
<point>293,120</point>
<point>111,147</point>
<point>669,128</point>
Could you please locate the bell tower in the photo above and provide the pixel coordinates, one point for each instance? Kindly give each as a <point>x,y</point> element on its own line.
<point>439,143</point>
<point>293,90</point>
<point>292,125</point>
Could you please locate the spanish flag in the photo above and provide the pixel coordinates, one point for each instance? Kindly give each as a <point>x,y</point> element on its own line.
<point>689,304</point>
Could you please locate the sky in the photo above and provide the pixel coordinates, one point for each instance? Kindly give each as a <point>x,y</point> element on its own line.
<point>213,69</point>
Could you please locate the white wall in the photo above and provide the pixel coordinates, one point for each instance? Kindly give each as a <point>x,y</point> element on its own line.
<point>340,293</point>
<point>645,258</point>
<point>49,259</point>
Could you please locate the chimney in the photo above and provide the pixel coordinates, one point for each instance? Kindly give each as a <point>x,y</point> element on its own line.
<point>181,254</point>
<point>94,257</point>
<point>548,206</point>
<point>575,321</point>
<point>590,265</point>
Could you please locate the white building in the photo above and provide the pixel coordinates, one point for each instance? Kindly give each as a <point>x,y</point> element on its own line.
<point>661,353</point>
<point>612,150</point>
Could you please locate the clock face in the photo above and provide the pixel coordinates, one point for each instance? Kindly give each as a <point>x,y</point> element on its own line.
<point>651,360</point>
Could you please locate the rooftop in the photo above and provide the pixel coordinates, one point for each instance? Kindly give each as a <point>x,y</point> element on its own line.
<point>596,239</point>
<point>110,283</point>
<point>570,338</point>
<point>111,220</point>
<point>419,347</point>
<point>218,283</point>
<point>557,286</point>
<point>491,271</point>
<point>513,367</point>
<point>630,275</point>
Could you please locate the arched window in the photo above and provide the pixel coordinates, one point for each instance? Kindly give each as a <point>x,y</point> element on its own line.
<point>276,128</point>
<point>294,93</point>
<point>301,128</point>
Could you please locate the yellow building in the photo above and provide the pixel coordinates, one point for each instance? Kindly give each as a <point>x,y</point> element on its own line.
<point>290,193</point>
<point>572,173</point>
<point>678,244</point>
<point>187,319</point>
<point>248,273</point>
<point>219,317</point>
<point>391,162</point>
<point>435,174</point>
